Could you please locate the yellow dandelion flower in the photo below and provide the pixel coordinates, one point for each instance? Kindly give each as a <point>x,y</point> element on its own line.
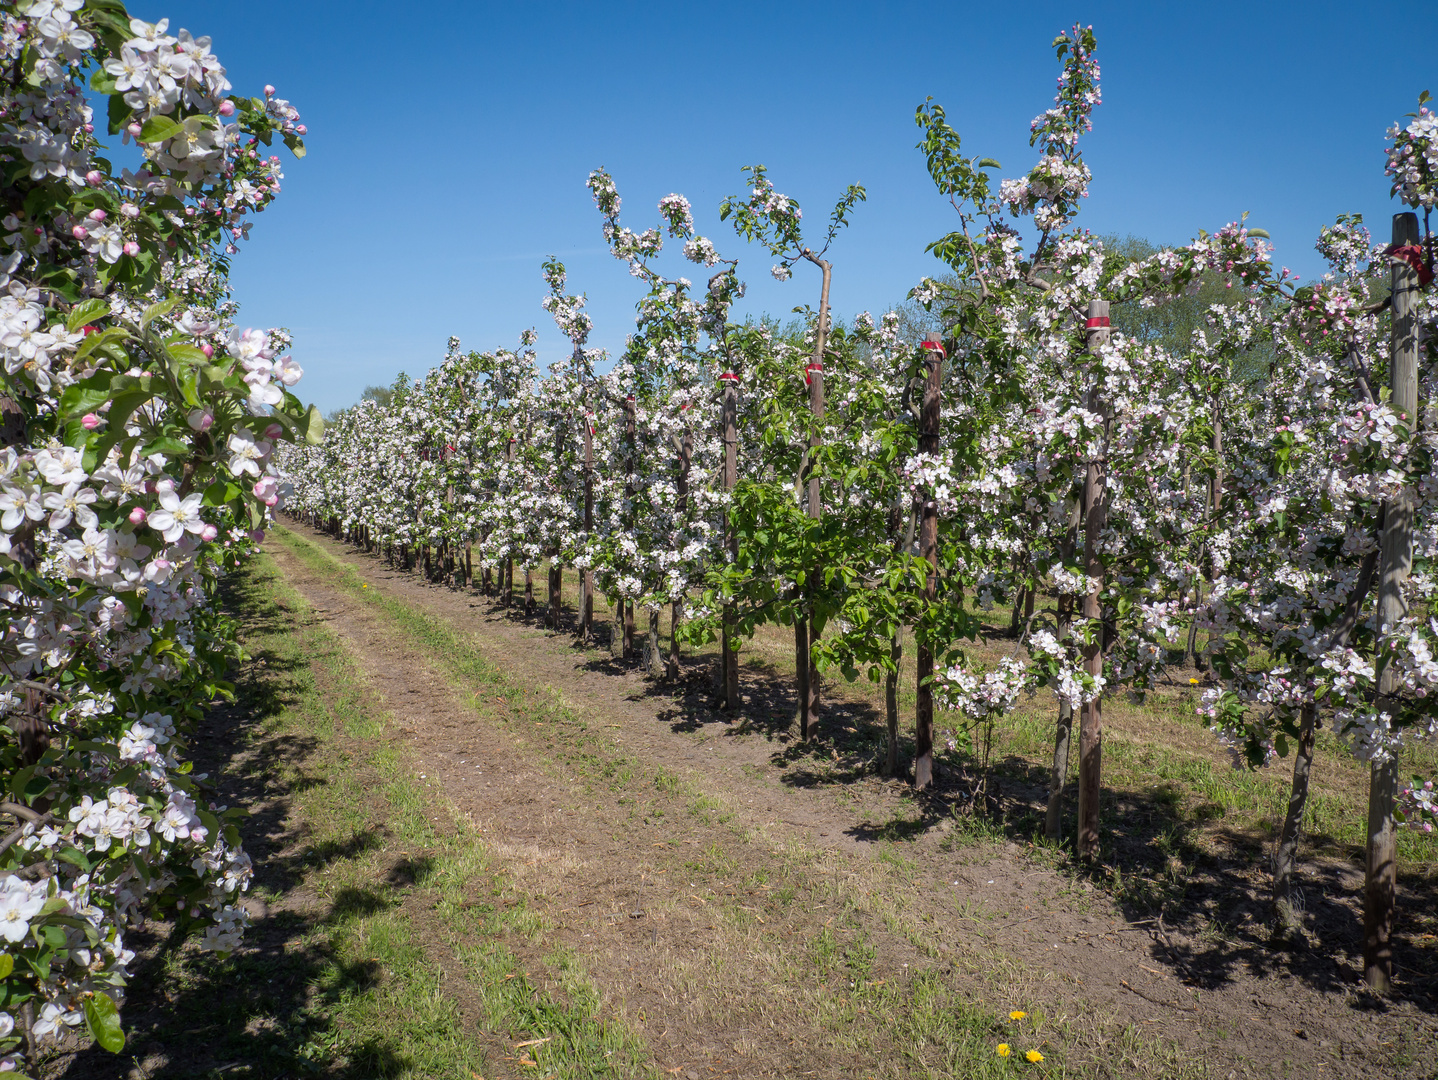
<point>1034,1056</point>
<point>1192,682</point>
<point>1018,1014</point>
<point>1002,1049</point>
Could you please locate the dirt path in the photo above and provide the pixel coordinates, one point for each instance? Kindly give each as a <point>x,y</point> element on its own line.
<point>722,915</point>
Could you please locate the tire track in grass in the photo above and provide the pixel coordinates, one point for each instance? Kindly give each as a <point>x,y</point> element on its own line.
<point>381,923</point>
<point>752,955</point>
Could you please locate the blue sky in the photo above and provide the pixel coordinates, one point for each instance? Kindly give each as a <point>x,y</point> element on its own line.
<point>449,143</point>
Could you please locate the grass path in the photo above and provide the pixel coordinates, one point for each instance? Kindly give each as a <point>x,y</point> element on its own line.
<point>467,871</point>
<point>380,918</point>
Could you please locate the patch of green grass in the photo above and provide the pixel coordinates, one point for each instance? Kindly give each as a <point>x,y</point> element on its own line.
<point>917,1022</point>
<point>388,968</point>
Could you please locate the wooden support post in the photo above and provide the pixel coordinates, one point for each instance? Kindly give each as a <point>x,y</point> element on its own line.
<point>1396,563</point>
<point>506,568</point>
<point>929,412</point>
<point>806,635</point>
<point>1063,730</point>
<point>676,609</point>
<point>556,591</point>
<point>586,576</point>
<point>729,657</point>
<point>653,655</point>
<point>1094,510</point>
<point>631,464</point>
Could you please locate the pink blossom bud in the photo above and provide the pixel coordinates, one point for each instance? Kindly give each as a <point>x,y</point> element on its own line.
<point>301,129</point>
<point>94,178</point>
<point>274,431</point>
<point>269,90</point>
<point>134,129</point>
<point>208,350</point>
<point>202,419</point>
<point>89,129</point>
<point>89,421</point>
<point>258,536</point>
<point>138,515</point>
<point>209,532</point>
<point>79,232</point>
<point>227,108</point>
<point>97,215</point>
<point>131,248</point>
<point>130,210</point>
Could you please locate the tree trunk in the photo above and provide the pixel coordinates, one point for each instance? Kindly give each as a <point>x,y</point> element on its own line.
<point>1381,880</point>
<point>801,673</point>
<point>1095,506</point>
<point>891,704</point>
<point>653,655</point>
<point>556,592</point>
<point>1287,926</point>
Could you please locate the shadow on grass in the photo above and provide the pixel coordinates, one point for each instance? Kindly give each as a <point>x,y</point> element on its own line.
<point>266,1011</point>
<point>1166,857</point>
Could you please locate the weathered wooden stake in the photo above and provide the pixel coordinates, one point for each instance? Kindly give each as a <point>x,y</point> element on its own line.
<point>631,464</point>
<point>807,630</point>
<point>586,576</point>
<point>676,609</point>
<point>729,656</point>
<point>929,412</point>
<point>1396,564</point>
<point>556,592</point>
<point>1094,511</point>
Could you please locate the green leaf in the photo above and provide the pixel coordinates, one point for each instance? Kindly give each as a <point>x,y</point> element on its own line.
<point>167,445</point>
<point>7,965</point>
<point>154,311</point>
<point>314,426</point>
<point>190,354</point>
<point>86,312</point>
<point>987,163</point>
<point>20,779</point>
<point>85,396</point>
<point>100,340</point>
<point>1263,233</point>
<point>220,493</point>
<point>124,406</point>
<point>103,1020</point>
<point>158,129</point>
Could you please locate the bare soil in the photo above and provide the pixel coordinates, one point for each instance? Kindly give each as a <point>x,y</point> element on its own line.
<point>679,915</point>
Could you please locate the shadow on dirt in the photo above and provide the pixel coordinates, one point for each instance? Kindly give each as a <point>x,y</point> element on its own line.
<point>1200,890</point>
<point>265,1010</point>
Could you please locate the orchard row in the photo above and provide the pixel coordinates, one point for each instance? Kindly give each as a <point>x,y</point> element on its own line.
<point>1267,482</point>
<point>139,424</point>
